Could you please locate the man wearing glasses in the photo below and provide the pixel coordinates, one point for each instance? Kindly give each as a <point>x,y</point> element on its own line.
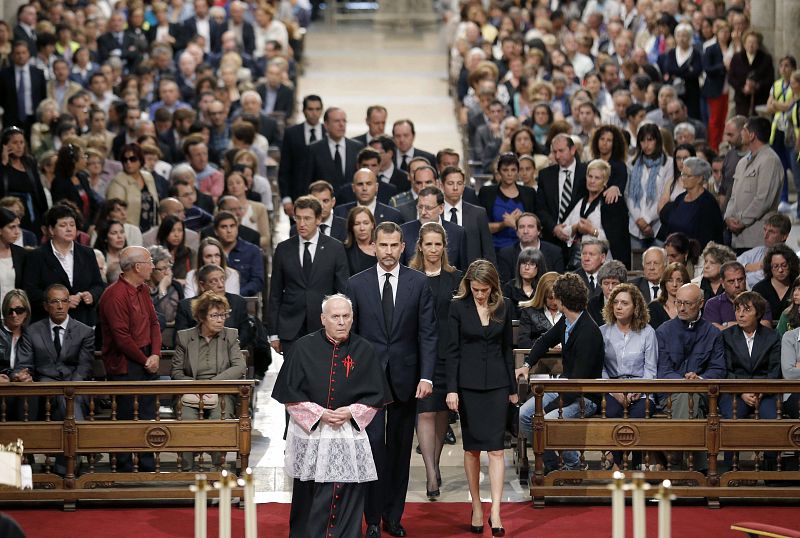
<point>430,207</point>
<point>131,340</point>
<point>689,347</point>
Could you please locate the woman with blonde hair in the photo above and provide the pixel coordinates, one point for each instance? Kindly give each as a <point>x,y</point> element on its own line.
<point>480,381</point>
<point>538,315</point>
<point>431,258</point>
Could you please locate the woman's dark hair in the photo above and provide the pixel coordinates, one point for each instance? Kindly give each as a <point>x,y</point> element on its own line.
<point>108,206</point>
<point>514,136</point>
<point>793,311</point>
<point>675,172</point>
<point>791,258</point>
<point>235,173</point>
<point>672,268</point>
<point>165,228</point>
<point>618,145</point>
<point>7,217</point>
<point>754,299</point>
<point>101,243</point>
<point>530,255</point>
<point>57,212</point>
<point>650,130</point>
<point>68,156</point>
<point>684,245</point>
<point>351,222</point>
<point>507,159</point>
<point>549,110</point>
<point>134,148</point>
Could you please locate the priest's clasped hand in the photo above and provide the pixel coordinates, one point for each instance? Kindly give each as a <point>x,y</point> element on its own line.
<point>336,417</point>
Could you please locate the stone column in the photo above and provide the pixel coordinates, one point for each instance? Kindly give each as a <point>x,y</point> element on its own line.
<point>763,19</point>
<point>789,19</point>
<point>8,10</point>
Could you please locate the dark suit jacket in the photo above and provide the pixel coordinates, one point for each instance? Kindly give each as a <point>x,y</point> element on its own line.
<point>21,35</point>
<point>321,164</point>
<point>407,351</point>
<point>37,353</point>
<point>237,320</point>
<point>476,229</point>
<point>345,194</point>
<point>400,181</point>
<point>478,357</point>
<point>597,289</point>
<point>595,308</point>
<point>548,200</point>
<point>284,101</point>
<point>19,256</point>
<point>62,188</point>
<point>763,363</point>
<point>293,171</point>
<point>295,304</point>
<point>507,259</point>
<point>383,212</point>
<point>338,229</point>
<point>268,127</point>
<point>762,73</point>
<point>645,287</point>
<point>132,50</point>
<point>216,31</point>
<point>8,88</point>
<point>614,218</point>
<point>43,269</point>
<point>175,30</point>
<point>408,211</point>
<point>431,158</point>
<point>456,243</point>
<point>714,68</point>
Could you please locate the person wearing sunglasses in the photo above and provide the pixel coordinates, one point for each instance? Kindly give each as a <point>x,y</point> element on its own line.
<point>16,312</point>
<point>137,187</point>
<point>207,352</point>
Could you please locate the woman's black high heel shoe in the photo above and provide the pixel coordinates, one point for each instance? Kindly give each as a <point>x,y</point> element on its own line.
<point>475,529</point>
<point>496,531</point>
<point>433,494</point>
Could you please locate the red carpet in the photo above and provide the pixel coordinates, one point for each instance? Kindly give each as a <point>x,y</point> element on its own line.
<point>421,520</point>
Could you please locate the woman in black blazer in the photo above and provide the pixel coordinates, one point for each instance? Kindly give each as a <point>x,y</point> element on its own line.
<point>71,182</point>
<point>432,413</point>
<point>506,201</point>
<point>480,380</point>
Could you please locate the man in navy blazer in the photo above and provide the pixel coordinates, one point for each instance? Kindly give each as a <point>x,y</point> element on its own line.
<point>470,217</point>
<point>335,158</point>
<point>201,16</point>
<point>365,187</point>
<point>529,229</point>
<point>551,181</point>
<point>293,169</point>
<point>396,315</point>
<point>35,85</point>
<point>430,205</point>
<point>367,158</point>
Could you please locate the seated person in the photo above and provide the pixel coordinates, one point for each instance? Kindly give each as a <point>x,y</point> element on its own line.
<point>212,278</point>
<point>719,309</point>
<point>243,256</point>
<point>790,368</point>
<point>165,291</point>
<point>781,268</point>
<point>529,267</point>
<point>16,311</point>
<point>631,352</point>
<point>611,274</point>
<point>582,356</point>
<point>663,308</point>
<point>776,230</point>
<point>538,315</point>
<point>690,347</point>
<point>528,229</point>
<point>207,352</point>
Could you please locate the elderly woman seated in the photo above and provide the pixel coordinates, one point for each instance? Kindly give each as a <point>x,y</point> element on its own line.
<point>207,352</point>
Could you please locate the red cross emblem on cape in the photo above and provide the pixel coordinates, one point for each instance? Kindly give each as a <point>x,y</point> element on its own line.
<point>349,364</point>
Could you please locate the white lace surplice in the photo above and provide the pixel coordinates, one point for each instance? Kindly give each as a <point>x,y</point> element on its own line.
<point>327,454</point>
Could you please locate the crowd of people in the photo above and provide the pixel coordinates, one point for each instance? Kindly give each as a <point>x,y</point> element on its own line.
<point>148,150</point>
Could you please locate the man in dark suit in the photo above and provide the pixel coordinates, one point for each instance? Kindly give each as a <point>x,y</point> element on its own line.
<point>25,29</point>
<point>654,261</point>
<point>430,206</point>
<point>243,256</point>
<point>305,269</point>
<point>238,25</point>
<point>421,175</point>
<point>529,229</point>
<point>611,274</point>
<point>593,256</point>
<point>470,217</point>
<point>395,313</point>
<point>81,276</point>
<point>561,186</point>
<point>365,187</point>
<point>23,87</point>
<point>203,25</point>
<point>212,278</point>
<point>404,134</point>
<point>330,224</point>
<point>128,46</point>
<point>376,124</point>
<point>267,125</point>
<point>334,158</point>
<point>387,171</point>
<point>197,206</point>
<point>448,157</point>
<point>367,158</point>
<point>55,349</point>
<point>293,169</point>
<point>277,96</point>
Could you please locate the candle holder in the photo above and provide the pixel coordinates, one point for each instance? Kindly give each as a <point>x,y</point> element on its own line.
<point>200,489</point>
<point>250,522</point>
<point>224,486</point>
<point>665,498</point>
<point>638,489</point>
<point>617,488</point>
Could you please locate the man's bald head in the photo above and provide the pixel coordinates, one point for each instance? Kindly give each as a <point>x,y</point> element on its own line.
<point>170,206</point>
<point>130,256</point>
<point>689,300</point>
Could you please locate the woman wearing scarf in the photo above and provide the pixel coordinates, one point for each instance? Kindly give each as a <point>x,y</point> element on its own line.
<point>651,172</point>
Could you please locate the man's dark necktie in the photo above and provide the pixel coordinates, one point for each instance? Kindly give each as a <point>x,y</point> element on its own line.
<point>404,164</point>
<point>655,292</point>
<point>57,340</point>
<point>454,215</point>
<point>591,283</point>
<point>307,262</point>
<point>313,137</point>
<point>337,161</point>
<point>566,197</point>
<point>323,228</point>
<point>387,301</point>
<point>22,112</point>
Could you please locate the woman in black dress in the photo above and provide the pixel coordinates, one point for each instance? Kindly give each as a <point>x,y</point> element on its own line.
<point>664,308</point>
<point>71,182</point>
<point>480,380</point>
<point>359,246</point>
<point>531,265</point>
<point>19,176</point>
<point>432,413</point>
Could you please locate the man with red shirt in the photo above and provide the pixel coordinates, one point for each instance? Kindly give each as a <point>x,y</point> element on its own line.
<point>131,340</point>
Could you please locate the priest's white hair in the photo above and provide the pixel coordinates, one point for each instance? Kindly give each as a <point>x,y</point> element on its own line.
<point>329,298</point>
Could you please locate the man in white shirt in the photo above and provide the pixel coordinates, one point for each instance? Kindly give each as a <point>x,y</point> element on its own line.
<point>654,261</point>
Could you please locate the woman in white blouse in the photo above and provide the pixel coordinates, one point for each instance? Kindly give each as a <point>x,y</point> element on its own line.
<point>266,28</point>
<point>651,172</point>
<point>210,252</point>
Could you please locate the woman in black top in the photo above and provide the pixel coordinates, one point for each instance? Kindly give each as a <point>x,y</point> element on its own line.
<point>443,278</point>
<point>608,144</point>
<point>19,176</point>
<point>480,380</point>
<point>359,246</point>
<point>538,315</point>
<point>531,265</point>
<point>664,308</point>
<point>171,235</point>
<point>781,268</point>
<point>71,182</point>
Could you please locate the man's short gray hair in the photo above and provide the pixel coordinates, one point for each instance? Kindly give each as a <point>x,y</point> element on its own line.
<point>684,127</point>
<point>660,250</point>
<point>130,256</point>
<point>588,240</point>
<point>183,171</point>
<point>335,296</point>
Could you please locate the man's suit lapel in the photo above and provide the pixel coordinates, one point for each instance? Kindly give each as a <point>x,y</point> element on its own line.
<point>47,340</point>
<point>759,350</point>
<point>400,300</point>
<point>294,260</point>
<point>375,296</point>
<point>318,256</point>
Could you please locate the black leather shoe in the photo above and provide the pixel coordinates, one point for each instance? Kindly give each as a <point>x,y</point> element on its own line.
<point>419,450</point>
<point>394,528</point>
<point>432,494</point>
<point>475,529</point>
<point>373,531</point>
<point>496,531</point>
<point>450,437</point>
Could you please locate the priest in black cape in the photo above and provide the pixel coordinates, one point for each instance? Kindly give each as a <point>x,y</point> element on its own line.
<point>332,387</point>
